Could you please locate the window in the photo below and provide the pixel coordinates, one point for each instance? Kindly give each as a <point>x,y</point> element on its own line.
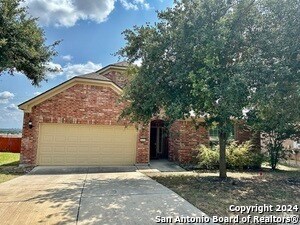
<point>214,134</point>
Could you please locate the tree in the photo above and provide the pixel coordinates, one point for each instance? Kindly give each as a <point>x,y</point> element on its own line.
<point>22,43</point>
<point>192,61</point>
<point>275,109</point>
<point>277,117</point>
<point>217,58</point>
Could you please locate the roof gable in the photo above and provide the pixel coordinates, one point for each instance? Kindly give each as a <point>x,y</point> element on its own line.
<point>94,76</point>
<point>105,72</point>
<point>94,79</point>
<point>118,67</point>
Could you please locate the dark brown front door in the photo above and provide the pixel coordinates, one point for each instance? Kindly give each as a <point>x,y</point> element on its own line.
<point>158,140</point>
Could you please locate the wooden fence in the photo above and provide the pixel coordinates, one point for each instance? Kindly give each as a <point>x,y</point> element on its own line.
<point>10,144</point>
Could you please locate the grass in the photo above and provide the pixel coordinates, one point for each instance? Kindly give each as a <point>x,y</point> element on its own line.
<point>214,196</point>
<point>9,159</point>
<point>9,169</point>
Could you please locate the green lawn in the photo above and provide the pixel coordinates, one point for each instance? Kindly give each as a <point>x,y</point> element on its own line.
<point>9,159</point>
<point>9,169</point>
<point>214,196</point>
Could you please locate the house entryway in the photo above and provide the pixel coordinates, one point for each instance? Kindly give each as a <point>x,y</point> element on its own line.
<point>163,165</point>
<point>158,140</point>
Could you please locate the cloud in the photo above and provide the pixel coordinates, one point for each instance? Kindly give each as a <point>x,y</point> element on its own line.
<point>12,107</point>
<point>54,66</point>
<point>5,96</point>
<point>67,12</point>
<point>142,3</point>
<point>67,57</point>
<point>37,93</point>
<point>135,4</point>
<point>72,70</point>
<point>13,113</point>
<point>79,69</point>
<point>128,5</point>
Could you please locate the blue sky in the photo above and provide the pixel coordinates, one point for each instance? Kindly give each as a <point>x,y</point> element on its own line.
<point>91,33</point>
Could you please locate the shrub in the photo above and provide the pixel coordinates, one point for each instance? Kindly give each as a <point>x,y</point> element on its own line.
<point>238,156</point>
<point>242,156</point>
<point>208,157</point>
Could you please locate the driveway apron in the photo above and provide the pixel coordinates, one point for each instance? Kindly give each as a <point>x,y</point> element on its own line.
<point>89,198</point>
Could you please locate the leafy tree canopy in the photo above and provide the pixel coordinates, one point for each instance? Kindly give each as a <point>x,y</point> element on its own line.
<point>190,61</point>
<point>274,75</point>
<point>22,43</point>
<point>216,58</point>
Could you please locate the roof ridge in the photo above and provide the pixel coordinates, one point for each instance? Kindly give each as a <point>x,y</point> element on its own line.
<point>121,64</point>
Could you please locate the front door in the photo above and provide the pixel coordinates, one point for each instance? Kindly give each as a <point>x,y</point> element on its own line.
<point>158,140</point>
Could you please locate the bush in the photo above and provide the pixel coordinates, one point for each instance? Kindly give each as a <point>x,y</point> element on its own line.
<point>242,156</point>
<point>237,156</point>
<point>208,157</point>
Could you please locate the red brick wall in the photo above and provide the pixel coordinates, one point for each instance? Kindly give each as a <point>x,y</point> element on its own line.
<point>243,133</point>
<point>184,139</point>
<point>174,141</point>
<point>117,78</point>
<point>79,104</point>
<point>143,144</point>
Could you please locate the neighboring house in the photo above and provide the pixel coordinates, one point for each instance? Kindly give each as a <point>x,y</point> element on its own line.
<point>293,149</point>
<point>290,144</point>
<point>77,123</point>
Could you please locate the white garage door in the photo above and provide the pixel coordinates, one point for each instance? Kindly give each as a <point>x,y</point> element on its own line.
<point>88,145</point>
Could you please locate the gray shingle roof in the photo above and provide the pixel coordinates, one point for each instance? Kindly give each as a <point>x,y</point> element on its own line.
<point>124,63</point>
<point>94,76</point>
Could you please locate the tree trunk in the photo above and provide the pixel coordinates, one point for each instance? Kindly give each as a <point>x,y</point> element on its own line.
<point>275,150</point>
<point>273,166</point>
<point>222,144</point>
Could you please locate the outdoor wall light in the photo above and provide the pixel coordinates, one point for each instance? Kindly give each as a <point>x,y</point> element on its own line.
<point>30,124</point>
<point>142,139</point>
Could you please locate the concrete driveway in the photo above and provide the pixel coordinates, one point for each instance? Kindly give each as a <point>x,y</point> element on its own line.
<point>88,197</point>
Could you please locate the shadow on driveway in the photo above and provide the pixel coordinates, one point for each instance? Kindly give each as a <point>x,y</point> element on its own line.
<point>89,198</point>
<point>48,170</point>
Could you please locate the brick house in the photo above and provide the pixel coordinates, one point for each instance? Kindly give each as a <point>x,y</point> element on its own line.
<point>77,123</point>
